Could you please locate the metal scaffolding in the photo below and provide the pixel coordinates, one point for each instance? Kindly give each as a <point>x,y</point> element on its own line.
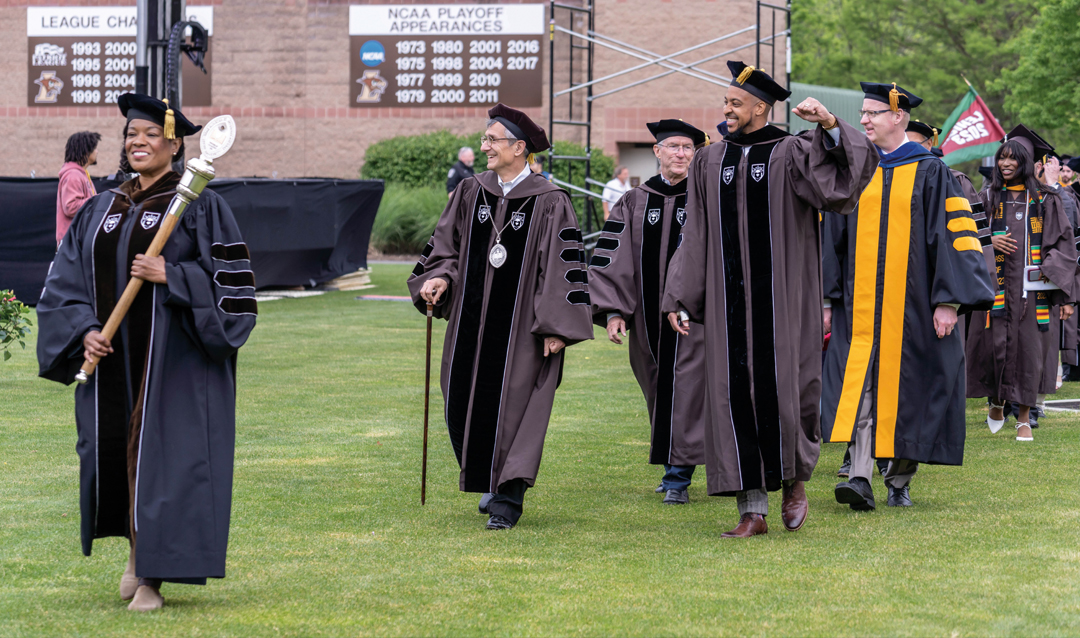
<point>765,36</point>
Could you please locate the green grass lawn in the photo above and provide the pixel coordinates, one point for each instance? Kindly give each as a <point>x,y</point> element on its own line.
<point>329,538</point>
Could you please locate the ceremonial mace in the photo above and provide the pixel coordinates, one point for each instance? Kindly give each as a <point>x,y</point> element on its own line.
<point>216,139</point>
<point>427,398</point>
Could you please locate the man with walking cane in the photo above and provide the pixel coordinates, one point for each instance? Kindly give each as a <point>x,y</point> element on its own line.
<point>506,268</point>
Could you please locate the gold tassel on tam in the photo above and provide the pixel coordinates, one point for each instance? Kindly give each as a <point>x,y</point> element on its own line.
<point>894,98</point>
<point>707,141</point>
<point>935,142</point>
<point>745,74</point>
<point>170,122</point>
<point>531,158</point>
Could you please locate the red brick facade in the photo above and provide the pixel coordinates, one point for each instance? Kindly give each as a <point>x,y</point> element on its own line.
<point>280,67</point>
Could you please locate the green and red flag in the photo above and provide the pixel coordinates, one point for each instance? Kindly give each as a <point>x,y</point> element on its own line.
<point>971,132</point>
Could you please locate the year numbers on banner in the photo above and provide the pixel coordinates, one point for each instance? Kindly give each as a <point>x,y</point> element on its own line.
<point>521,63</point>
<point>517,47</point>
<point>410,96</point>
<point>483,97</point>
<point>411,47</point>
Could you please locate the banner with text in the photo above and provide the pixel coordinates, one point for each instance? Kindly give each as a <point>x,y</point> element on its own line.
<point>85,56</point>
<point>971,132</point>
<point>446,55</point>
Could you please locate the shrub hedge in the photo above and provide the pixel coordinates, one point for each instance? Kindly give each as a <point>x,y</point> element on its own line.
<point>407,217</point>
<point>415,167</point>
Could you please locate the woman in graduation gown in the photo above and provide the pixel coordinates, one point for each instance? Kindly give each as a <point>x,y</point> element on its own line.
<point>156,421</point>
<point>1007,347</point>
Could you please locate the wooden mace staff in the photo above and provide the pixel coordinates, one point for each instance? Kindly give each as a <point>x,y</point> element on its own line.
<point>427,400</point>
<point>217,138</point>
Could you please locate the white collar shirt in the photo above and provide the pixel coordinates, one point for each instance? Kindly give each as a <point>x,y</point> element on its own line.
<point>509,186</point>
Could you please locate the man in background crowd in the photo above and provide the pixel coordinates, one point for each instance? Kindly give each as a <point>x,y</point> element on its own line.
<point>614,190</point>
<point>75,186</point>
<point>462,169</point>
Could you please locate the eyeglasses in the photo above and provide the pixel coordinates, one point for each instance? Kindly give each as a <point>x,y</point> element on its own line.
<point>675,148</point>
<point>871,114</point>
<point>484,139</point>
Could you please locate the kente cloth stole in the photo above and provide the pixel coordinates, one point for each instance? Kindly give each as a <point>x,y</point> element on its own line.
<point>998,226</point>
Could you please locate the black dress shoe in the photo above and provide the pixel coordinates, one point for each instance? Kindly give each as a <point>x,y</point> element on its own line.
<point>660,489</point>
<point>484,500</point>
<point>857,493</point>
<point>1034,420</point>
<point>899,497</point>
<point>498,522</point>
<point>845,469</point>
<point>882,466</point>
<point>676,497</point>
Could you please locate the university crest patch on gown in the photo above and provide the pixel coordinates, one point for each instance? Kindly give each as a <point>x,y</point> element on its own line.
<point>654,215</point>
<point>149,219</point>
<point>111,222</point>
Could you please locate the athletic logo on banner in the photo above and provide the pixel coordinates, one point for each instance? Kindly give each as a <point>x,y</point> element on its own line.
<point>680,216</point>
<point>484,214</point>
<point>654,215</point>
<point>757,171</point>
<point>517,220</point>
<point>111,222</point>
<point>729,174</point>
<point>149,219</point>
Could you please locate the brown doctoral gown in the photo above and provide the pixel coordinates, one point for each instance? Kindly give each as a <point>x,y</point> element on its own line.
<point>497,384</point>
<point>1008,359</point>
<point>627,277</point>
<point>749,269</point>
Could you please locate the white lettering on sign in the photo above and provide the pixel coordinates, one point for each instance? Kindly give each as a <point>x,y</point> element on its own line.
<point>44,22</point>
<point>444,19</point>
<point>968,130</point>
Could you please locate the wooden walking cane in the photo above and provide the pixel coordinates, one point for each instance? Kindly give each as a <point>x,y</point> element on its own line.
<point>217,137</point>
<point>427,399</point>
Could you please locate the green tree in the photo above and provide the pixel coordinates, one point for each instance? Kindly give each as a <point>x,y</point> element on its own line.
<point>923,46</point>
<point>1044,87</point>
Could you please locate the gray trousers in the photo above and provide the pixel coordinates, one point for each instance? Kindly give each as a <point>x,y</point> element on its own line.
<point>754,501</point>
<point>900,471</point>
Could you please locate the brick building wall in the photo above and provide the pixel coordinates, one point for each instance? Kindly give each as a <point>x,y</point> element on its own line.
<point>281,68</point>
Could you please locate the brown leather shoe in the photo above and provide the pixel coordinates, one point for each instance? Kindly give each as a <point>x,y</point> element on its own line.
<point>793,511</point>
<point>749,525</point>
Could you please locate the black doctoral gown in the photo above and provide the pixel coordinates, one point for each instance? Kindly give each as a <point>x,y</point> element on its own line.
<point>910,245</point>
<point>178,416</point>
<point>749,270</point>
<point>1013,355</point>
<point>498,385</point>
<point>627,275</point>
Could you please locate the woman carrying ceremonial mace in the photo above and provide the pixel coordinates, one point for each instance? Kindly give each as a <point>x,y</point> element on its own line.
<point>156,420</point>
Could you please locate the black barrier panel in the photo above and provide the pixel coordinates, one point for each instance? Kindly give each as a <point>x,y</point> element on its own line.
<point>301,232</point>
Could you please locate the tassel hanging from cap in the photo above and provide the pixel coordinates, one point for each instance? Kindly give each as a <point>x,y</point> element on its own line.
<point>935,142</point>
<point>707,141</point>
<point>531,159</point>
<point>745,74</point>
<point>170,122</point>
<point>894,98</point>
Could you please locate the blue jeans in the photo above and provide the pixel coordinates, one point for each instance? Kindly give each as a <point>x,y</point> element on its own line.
<point>677,477</point>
